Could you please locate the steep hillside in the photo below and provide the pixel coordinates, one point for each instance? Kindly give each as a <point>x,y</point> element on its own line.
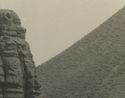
<point>94,67</point>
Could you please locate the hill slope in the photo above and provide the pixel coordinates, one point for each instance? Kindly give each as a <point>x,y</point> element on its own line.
<point>94,67</point>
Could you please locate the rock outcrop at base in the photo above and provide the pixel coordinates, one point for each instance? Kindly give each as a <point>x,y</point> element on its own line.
<point>94,67</point>
<point>17,69</point>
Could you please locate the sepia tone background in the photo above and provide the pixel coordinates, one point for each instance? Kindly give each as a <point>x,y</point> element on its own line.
<point>54,25</point>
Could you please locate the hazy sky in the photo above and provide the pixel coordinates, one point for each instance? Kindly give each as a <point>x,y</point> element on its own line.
<point>54,25</point>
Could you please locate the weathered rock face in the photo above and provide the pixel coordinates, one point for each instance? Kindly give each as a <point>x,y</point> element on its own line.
<point>17,70</point>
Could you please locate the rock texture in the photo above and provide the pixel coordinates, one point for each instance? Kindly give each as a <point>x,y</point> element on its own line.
<point>17,69</point>
<point>94,67</point>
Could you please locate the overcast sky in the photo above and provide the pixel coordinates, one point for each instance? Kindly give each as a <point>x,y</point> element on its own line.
<point>54,25</point>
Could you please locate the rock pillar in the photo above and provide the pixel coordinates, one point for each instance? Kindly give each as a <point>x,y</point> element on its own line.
<point>17,69</point>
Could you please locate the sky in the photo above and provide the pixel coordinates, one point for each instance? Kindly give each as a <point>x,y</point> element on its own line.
<point>54,25</point>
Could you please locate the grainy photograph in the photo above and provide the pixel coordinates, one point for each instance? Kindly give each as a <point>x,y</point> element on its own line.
<point>62,49</point>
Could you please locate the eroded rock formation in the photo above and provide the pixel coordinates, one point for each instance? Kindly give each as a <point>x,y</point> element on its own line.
<point>17,69</point>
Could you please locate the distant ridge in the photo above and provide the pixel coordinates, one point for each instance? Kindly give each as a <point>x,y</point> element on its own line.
<point>94,67</point>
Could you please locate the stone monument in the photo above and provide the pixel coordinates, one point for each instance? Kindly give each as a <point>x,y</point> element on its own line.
<point>17,69</point>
